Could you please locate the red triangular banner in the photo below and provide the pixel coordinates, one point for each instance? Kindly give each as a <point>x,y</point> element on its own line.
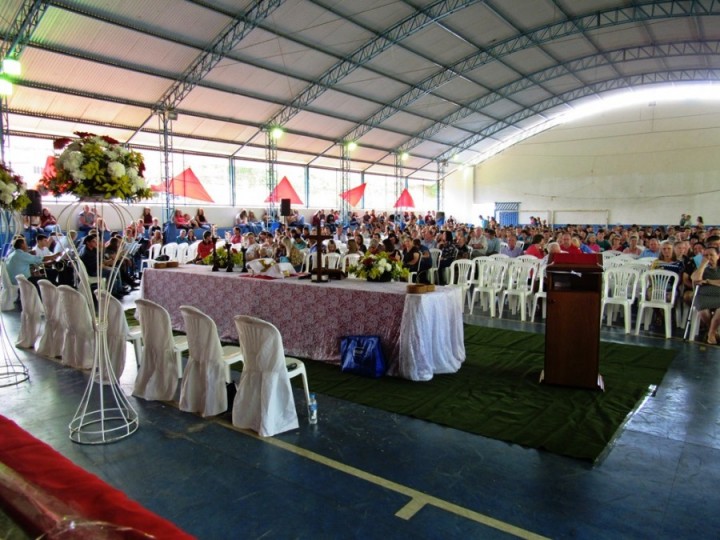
<point>353,196</point>
<point>284,190</point>
<point>186,184</point>
<point>405,200</point>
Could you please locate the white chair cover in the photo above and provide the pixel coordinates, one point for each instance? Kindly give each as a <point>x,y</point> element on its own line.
<point>31,316</point>
<point>264,400</point>
<point>158,373</point>
<point>79,341</point>
<point>51,342</point>
<point>117,330</point>
<point>203,387</point>
<point>9,291</point>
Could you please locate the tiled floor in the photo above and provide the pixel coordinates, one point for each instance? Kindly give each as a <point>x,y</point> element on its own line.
<point>364,473</point>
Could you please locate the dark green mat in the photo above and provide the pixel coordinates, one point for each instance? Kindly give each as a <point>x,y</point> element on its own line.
<point>496,393</point>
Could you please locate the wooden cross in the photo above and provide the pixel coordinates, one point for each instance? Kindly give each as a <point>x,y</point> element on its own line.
<point>318,270</point>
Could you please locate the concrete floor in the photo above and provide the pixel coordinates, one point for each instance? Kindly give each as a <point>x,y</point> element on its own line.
<point>365,473</point>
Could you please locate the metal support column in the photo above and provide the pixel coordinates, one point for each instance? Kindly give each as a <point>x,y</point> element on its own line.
<point>399,183</point>
<point>271,159</point>
<point>165,118</point>
<point>4,129</point>
<point>440,191</point>
<point>345,181</point>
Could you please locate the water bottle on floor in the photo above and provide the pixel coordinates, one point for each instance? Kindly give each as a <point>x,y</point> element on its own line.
<point>312,410</point>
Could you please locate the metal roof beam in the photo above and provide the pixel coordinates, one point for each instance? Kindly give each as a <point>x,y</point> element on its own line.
<point>380,43</point>
<point>25,23</point>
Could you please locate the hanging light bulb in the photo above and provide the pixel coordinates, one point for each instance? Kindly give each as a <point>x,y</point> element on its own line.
<point>276,132</point>
<point>11,67</point>
<point>351,146</point>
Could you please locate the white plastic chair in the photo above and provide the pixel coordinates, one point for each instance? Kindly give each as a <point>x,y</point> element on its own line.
<point>264,400</point>
<point>192,251</point>
<point>208,369</point>
<point>540,294</point>
<point>161,363</point>
<point>181,254</point>
<point>170,249</point>
<point>309,261</point>
<point>489,286</point>
<point>658,291</point>
<point>79,334</point>
<point>348,260</point>
<point>519,288</point>
<point>31,316</point>
<point>9,291</point>
<point>332,261</point>
<point>526,258</point>
<point>461,274</point>
<point>619,289</point>
<point>153,253</point>
<point>433,272</point>
<point>51,341</point>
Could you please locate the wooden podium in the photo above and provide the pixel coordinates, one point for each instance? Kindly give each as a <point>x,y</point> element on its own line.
<point>572,331</point>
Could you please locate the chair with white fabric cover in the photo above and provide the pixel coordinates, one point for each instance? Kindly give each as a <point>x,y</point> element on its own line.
<point>207,372</point>
<point>9,291</point>
<point>620,286</point>
<point>118,331</point>
<point>161,363</point>
<point>461,274</point>
<point>264,400</point>
<point>658,291</point>
<point>31,316</point>
<point>79,334</point>
<point>332,261</point>
<point>51,341</point>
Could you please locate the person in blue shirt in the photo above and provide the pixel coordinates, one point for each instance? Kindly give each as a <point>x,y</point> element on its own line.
<point>20,262</point>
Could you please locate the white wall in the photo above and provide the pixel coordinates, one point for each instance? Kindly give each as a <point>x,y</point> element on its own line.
<point>646,164</point>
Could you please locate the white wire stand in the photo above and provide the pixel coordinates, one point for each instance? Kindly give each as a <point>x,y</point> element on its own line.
<point>12,369</point>
<point>104,414</point>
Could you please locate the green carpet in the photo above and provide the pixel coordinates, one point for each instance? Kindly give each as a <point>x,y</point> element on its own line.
<point>496,393</point>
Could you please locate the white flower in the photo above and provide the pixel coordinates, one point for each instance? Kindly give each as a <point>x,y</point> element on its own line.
<point>6,198</point>
<point>78,176</point>
<point>73,161</point>
<point>116,169</point>
<point>132,173</point>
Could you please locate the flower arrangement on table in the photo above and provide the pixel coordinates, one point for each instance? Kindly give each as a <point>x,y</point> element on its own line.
<point>13,194</point>
<point>378,267</point>
<point>222,257</point>
<point>97,166</point>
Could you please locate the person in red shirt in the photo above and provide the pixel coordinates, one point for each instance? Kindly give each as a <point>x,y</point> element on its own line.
<point>205,247</point>
<point>536,249</point>
<point>567,245</point>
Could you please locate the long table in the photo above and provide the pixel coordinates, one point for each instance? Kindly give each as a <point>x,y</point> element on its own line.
<point>422,334</point>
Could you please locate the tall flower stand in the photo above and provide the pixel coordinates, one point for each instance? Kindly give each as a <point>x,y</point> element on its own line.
<point>12,369</point>
<point>104,414</point>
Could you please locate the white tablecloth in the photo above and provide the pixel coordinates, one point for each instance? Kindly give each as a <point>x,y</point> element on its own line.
<point>421,334</point>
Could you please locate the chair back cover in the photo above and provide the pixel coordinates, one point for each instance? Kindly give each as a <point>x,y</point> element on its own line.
<point>264,401</point>
<point>9,291</point>
<point>117,330</point>
<point>51,341</point>
<point>31,316</point>
<point>203,386</point>
<point>79,342</point>
<point>331,260</point>
<point>158,373</point>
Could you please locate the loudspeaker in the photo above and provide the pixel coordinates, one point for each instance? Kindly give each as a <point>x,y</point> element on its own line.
<point>285,207</point>
<point>35,206</point>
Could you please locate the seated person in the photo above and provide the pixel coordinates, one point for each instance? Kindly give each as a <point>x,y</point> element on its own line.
<point>21,262</point>
<point>536,247</point>
<point>493,242</point>
<point>236,237</point>
<point>205,247</point>
<point>241,218</point>
<point>707,301</point>
<point>95,268</point>
<point>87,219</point>
<point>180,221</point>
<point>182,237</point>
<point>155,226</point>
<point>512,249</point>
<point>47,221</point>
<point>253,249</point>
<point>201,220</point>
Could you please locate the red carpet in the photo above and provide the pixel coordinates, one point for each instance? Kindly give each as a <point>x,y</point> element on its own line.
<point>42,489</point>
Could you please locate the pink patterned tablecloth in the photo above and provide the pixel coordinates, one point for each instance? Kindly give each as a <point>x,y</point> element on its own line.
<point>421,334</point>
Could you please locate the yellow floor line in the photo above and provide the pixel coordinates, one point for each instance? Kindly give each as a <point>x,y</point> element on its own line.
<point>418,499</point>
